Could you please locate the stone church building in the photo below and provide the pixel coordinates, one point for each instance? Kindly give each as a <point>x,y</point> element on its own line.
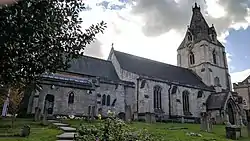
<point>134,87</point>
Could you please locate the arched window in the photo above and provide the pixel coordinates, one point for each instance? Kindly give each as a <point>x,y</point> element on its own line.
<point>174,89</point>
<point>216,81</point>
<point>189,36</point>
<point>157,97</point>
<point>108,100</point>
<point>200,94</point>
<point>214,57</point>
<point>71,98</point>
<point>185,102</point>
<point>104,99</point>
<point>191,58</point>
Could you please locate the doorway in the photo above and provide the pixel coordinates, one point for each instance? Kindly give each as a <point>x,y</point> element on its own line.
<point>50,99</point>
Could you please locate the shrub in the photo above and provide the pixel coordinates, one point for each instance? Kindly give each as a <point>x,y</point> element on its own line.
<point>112,129</point>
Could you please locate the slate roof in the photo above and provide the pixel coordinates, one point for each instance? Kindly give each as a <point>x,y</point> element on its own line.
<point>94,67</point>
<point>216,101</point>
<point>199,28</point>
<point>155,69</point>
<point>246,80</point>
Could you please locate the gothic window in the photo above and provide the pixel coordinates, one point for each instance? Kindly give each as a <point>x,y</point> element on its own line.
<point>216,81</point>
<point>191,58</point>
<point>185,102</point>
<point>104,99</point>
<point>174,89</point>
<point>108,100</point>
<point>71,98</point>
<point>157,97</point>
<point>200,94</point>
<point>189,36</point>
<point>214,57</point>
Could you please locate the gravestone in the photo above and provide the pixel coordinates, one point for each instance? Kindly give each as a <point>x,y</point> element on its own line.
<point>209,122</point>
<point>150,117</point>
<point>204,123</point>
<point>25,131</point>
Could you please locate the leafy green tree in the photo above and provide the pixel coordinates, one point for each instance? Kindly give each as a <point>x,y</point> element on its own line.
<point>40,36</point>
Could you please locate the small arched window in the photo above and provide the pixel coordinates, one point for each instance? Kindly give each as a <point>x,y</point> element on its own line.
<point>200,94</point>
<point>71,98</point>
<point>108,100</point>
<point>216,81</point>
<point>174,89</point>
<point>191,58</point>
<point>214,57</point>
<point>104,99</point>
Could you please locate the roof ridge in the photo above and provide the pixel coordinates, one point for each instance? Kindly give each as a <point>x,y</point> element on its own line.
<point>155,61</point>
<point>92,57</point>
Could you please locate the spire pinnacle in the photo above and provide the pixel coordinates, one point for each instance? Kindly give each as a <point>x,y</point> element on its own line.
<point>196,7</point>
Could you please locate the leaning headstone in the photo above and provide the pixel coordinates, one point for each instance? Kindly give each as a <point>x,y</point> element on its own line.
<point>25,131</point>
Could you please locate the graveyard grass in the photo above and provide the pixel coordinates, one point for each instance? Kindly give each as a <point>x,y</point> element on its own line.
<point>37,131</point>
<point>161,130</point>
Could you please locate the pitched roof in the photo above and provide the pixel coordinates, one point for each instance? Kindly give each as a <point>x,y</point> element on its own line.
<point>155,69</point>
<point>246,80</point>
<point>216,101</point>
<point>94,67</point>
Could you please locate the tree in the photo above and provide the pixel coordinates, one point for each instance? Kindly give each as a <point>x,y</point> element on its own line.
<point>15,97</point>
<point>41,36</point>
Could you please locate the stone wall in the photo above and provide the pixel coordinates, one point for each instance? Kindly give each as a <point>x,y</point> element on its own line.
<point>242,90</point>
<point>204,65</point>
<point>61,107</point>
<point>82,99</point>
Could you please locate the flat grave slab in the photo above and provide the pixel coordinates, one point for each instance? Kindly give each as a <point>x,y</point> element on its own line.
<point>68,129</point>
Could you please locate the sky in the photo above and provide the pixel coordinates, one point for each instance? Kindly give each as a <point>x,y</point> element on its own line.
<point>155,28</point>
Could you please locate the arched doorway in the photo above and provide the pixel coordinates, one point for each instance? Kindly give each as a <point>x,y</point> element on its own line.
<point>50,101</point>
<point>231,110</point>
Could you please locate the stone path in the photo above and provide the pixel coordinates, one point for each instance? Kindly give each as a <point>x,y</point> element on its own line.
<point>69,132</point>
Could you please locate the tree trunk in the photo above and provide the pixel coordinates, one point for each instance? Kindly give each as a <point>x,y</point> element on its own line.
<point>13,120</point>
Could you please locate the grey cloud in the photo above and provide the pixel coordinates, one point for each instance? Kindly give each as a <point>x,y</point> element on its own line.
<point>163,15</point>
<point>94,49</point>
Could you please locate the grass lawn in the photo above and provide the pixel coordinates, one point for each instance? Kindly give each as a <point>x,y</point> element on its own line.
<point>37,131</point>
<point>161,130</point>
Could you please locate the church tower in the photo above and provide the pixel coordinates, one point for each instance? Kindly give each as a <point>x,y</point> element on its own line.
<point>201,52</point>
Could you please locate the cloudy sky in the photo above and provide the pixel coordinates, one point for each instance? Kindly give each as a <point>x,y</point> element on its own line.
<point>155,28</point>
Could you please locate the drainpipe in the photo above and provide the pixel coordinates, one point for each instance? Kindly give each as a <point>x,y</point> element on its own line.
<point>169,100</point>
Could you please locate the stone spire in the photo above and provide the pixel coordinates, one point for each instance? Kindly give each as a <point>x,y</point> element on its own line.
<point>198,25</point>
